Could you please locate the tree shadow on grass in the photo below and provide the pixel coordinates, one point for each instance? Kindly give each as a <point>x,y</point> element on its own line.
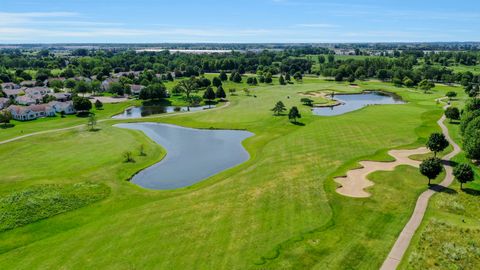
<point>471,191</point>
<point>94,130</point>
<point>298,124</point>
<point>442,189</point>
<point>450,163</point>
<point>83,114</point>
<point>3,126</point>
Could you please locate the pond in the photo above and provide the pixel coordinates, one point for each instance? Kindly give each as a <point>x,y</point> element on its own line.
<point>192,154</point>
<point>352,102</point>
<point>144,111</point>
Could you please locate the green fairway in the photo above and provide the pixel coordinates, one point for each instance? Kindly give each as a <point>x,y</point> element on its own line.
<point>278,210</point>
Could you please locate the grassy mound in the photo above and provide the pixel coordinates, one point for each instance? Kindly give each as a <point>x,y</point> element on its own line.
<point>42,201</point>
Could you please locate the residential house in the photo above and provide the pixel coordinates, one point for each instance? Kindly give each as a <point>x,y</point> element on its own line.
<point>66,107</point>
<point>24,113</point>
<point>136,88</point>
<point>26,100</point>
<point>127,73</point>
<point>62,97</point>
<point>81,78</point>
<point>28,83</point>
<point>13,93</point>
<point>4,102</point>
<point>38,91</point>
<point>107,82</point>
<point>9,86</point>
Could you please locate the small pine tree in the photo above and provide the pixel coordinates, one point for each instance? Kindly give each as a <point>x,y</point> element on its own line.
<point>220,93</point>
<point>98,105</point>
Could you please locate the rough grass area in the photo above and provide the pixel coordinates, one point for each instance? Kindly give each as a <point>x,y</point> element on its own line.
<point>42,201</point>
<point>446,246</point>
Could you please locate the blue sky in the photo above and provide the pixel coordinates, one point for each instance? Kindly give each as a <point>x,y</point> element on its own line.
<point>54,21</point>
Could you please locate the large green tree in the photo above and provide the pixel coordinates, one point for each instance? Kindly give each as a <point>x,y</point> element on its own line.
<point>452,113</point>
<point>431,168</point>
<point>437,143</point>
<point>464,174</point>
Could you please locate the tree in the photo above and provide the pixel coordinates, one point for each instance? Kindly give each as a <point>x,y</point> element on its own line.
<point>237,78</point>
<point>5,117</point>
<point>298,76</point>
<point>56,85</point>
<point>287,77</point>
<point>281,80</point>
<point>116,88</point>
<point>307,101</point>
<point>464,174</point>
<point>408,82</point>
<point>95,86</point>
<point>220,93</point>
<point>452,113</point>
<point>451,94</point>
<point>293,114</point>
<point>232,91</point>
<point>321,59</point>
<point>188,86</point>
<point>98,104</point>
<point>426,85</point>
<point>157,90</point>
<point>437,143</point>
<point>70,83</point>
<point>471,139</point>
<point>223,76</point>
<point>431,168</point>
<point>216,82</point>
<point>128,157</point>
<point>92,122</point>
<point>82,87</point>
<point>141,150</point>
<point>82,104</point>
<point>279,108</point>
<point>268,77</point>
<point>209,95</point>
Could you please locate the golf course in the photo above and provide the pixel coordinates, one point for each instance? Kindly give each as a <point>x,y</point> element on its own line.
<point>278,210</point>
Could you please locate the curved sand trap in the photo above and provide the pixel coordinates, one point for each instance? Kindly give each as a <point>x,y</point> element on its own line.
<point>356,181</point>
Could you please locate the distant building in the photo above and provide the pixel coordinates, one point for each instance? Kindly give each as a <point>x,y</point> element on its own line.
<point>38,91</point>
<point>66,107</point>
<point>106,83</point>
<point>28,83</point>
<point>13,93</point>
<point>4,102</point>
<point>26,100</point>
<point>62,97</point>
<point>9,86</point>
<point>25,113</point>
<point>136,88</point>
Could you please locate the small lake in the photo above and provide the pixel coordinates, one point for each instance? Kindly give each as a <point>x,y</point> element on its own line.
<point>144,111</point>
<point>192,154</point>
<point>353,102</point>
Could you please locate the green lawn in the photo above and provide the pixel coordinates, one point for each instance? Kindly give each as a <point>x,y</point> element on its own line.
<point>278,210</point>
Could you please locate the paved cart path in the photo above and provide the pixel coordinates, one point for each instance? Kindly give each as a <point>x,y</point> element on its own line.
<point>401,245</point>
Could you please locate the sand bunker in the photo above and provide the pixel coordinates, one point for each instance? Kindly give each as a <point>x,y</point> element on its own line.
<point>314,94</point>
<point>356,181</point>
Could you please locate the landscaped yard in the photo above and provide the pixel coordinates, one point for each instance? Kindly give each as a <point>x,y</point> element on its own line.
<point>278,210</point>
